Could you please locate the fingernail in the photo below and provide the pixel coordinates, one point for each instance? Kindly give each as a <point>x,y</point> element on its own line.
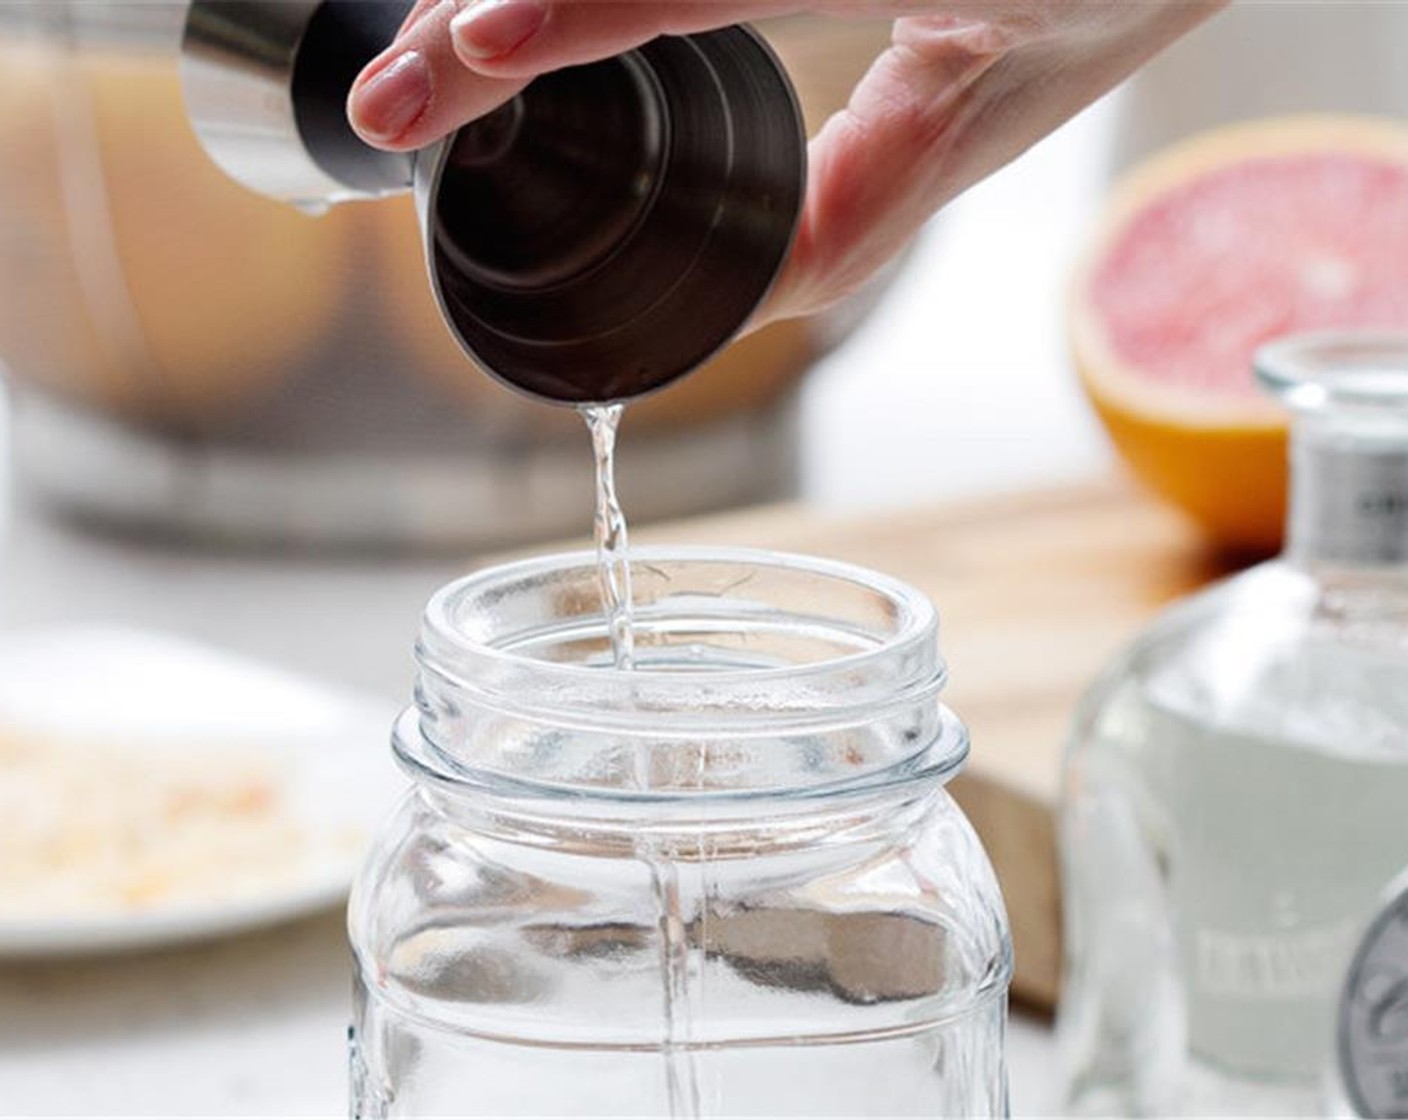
<point>494,28</point>
<point>394,99</point>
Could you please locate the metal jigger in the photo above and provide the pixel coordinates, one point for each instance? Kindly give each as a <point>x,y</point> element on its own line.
<point>596,237</point>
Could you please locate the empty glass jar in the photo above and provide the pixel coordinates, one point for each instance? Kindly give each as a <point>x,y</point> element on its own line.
<point>728,882</point>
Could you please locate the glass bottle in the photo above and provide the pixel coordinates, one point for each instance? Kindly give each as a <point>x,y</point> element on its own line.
<point>1236,788</point>
<point>726,882</point>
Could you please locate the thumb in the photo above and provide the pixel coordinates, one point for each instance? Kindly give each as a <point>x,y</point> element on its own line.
<point>455,60</point>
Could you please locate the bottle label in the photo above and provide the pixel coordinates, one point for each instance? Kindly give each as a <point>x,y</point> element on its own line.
<point>1271,877</point>
<point>1350,504</point>
<point>1270,965</point>
<point>1373,1020</point>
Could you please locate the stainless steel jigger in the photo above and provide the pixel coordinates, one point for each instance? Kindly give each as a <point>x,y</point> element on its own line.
<point>596,237</point>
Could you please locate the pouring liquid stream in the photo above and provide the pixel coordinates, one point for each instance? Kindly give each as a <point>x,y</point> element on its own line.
<point>613,562</point>
<point>614,578</point>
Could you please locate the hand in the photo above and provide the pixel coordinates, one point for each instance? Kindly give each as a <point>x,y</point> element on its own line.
<point>965,86</point>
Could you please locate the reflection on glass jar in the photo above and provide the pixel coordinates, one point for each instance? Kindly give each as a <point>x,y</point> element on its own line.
<point>728,882</point>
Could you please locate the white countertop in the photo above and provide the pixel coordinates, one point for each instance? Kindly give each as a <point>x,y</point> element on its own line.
<point>957,385</point>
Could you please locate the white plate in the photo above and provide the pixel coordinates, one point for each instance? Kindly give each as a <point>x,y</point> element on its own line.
<point>160,692</point>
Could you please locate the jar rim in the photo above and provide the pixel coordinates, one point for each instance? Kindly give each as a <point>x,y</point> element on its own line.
<point>859,681</point>
<point>440,632</point>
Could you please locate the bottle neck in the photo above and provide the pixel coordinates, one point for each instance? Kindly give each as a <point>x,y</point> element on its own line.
<point>1349,498</point>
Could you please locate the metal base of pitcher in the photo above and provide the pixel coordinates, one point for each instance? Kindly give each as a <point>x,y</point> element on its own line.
<point>108,474</point>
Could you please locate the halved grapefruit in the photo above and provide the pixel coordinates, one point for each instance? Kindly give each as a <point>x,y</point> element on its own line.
<point>1204,252</point>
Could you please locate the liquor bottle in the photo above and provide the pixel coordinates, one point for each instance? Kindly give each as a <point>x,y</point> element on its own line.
<point>1236,787</point>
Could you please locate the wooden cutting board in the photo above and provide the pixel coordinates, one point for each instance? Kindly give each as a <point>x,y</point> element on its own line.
<point>1036,593</point>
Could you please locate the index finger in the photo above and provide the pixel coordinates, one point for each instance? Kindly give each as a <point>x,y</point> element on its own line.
<point>455,60</point>
<point>417,90</point>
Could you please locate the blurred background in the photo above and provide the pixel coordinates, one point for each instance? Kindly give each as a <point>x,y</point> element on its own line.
<point>241,453</point>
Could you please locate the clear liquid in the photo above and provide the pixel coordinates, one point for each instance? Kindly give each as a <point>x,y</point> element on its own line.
<point>614,577</point>
<point>612,536</point>
<point>681,1064</point>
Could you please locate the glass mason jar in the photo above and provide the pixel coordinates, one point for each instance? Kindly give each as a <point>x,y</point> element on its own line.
<point>727,882</point>
<point>1236,791</point>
